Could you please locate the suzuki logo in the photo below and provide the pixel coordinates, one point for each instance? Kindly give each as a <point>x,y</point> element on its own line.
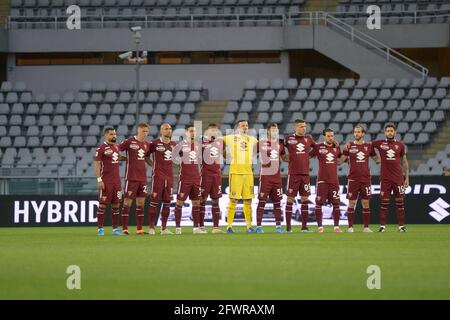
<point>115,157</point>
<point>439,207</point>
<point>330,157</point>
<point>274,155</point>
<point>300,148</point>
<point>167,155</point>
<point>390,154</point>
<point>214,152</point>
<point>141,154</point>
<point>192,156</point>
<point>360,156</point>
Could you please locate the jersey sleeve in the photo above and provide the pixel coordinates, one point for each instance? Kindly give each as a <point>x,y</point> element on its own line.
<point>123,146</point>
<point>313,151</point>
<point>149,149</point>
<point>339,152</point>
<point>403,150</point>
<point>376,144</point>
<point>372,151</point>
<point>98,154</point>
<point>346,152</point>
<point>282,149</point>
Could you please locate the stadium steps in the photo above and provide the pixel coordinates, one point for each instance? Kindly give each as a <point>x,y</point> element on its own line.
<point>321,5</point>
<point>439,143</point>
<point>4,12</point>
<point>211,111</point>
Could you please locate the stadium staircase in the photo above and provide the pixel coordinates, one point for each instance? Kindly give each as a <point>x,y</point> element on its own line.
<point>437,144</point>
<point>360,52</point>
<point>211,111</point>
<point>4,12</point>
<point>321,5</point>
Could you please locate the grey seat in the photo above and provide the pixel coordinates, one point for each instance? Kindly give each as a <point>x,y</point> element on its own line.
<point>263,117</point>
<point>295,106</point>
<point>282,95</point>
<point>301,94</point>
<point>75,131</point>
<point>336,106</point>
<point>189,108</point>
<point>277,106</point>
<point>175,108</point>
<point>396,116</point>
<point>430,127</point>
<point>438,116</point>
<point>342,94</point>
<point>322,106</point>
<point>309,106</point>
<point>424,116</point>
<point>314,95</point>
<point>410,116</point>
<point>423,138</point>
<point>276,117</point>
<point>416,127</point>
<point>194,96</point>
<point>250,95</point>
<point>402,127</point>
<point>184,119</point>
<point>381,116</point>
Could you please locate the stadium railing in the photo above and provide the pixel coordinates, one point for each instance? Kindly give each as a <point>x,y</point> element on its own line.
<point>216,20</point>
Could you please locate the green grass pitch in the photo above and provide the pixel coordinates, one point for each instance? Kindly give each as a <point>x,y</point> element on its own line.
<point>414,265</point>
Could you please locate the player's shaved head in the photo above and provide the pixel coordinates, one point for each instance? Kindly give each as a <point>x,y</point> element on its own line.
<point>165,130</point>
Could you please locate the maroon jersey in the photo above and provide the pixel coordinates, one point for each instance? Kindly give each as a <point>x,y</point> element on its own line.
<point>328,162</point>
<point>358,157</point>
<point>162,158</point>
<point>391,153</point>
<point>137,152</point>
<point>299,148</point>
<point>212,152</point>
<point>269,154</point>
<point>108,155</point>
<point>190,158</point>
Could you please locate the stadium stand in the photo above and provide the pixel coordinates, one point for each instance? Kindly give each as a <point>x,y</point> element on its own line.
<point>418,107</point>
<point>46,132</point>
<point>212,13</point>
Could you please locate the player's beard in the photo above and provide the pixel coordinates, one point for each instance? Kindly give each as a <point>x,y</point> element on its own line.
<point>113,140</point>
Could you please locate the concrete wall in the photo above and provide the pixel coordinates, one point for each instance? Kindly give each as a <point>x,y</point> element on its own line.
<point>202,39</point>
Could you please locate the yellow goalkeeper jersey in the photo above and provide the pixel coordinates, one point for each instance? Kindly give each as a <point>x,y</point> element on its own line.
<point>241,148</point>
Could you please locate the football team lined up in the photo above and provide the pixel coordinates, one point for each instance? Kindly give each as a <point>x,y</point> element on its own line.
<point>200,175</point>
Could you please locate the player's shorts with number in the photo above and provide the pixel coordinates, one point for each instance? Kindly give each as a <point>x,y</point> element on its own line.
<point>389,187</point>
<point>270,188</point>
<point>241,186</point>
<point>298,184</point>
<point>211,185</point>
<point>135,189</point>
<point>189,189</point>
<point>161,189</point>
<point>111,194</point>
<point>327,191</point>
<point>357,189</point>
